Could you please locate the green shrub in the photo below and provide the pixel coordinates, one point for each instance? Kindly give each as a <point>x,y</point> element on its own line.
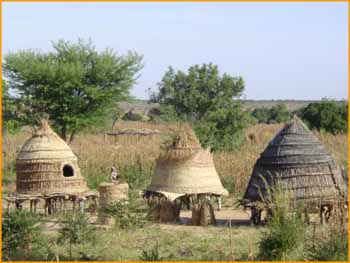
<point>94,178</point>
<point>137,176</point>
<point>21,235</point>
<point>76,229</point>
<point>326,115</point>
<point>285,236</point>
<point>286,230</point>
<point>222,129</point>
<point>151,255</point>
<point>229,184</point>
<point>132,116</point>
<point>332,246</point>
<point>276,114</point>
<point>163,113</point>
<point>127,214</point>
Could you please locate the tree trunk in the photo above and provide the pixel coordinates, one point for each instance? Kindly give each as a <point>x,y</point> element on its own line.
<point>72,136</point>
<point>64,132</point>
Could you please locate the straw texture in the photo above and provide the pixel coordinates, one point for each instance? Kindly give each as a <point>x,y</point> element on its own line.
<point>186,168</point>
<point>296,161</point>
<point>111,193</point>
<point>40,164</point>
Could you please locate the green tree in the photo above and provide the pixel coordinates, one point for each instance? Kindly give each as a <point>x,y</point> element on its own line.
<point>326,115</point>
<point>11,120</point>
<point>207,100</point>
<point>276,114</point>
<point>261,114</point>
<point>74,84</point>
<point>280,113</point>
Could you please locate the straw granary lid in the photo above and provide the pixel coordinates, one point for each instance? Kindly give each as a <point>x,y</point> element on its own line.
<point>183,147</point>
<point>294,145</point>
<point>186,168</point>
<point>45,144</point>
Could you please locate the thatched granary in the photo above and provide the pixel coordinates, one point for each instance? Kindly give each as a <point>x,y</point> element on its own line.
<point>297,162</point>
<point>186,172</point>
<point>47,165</point>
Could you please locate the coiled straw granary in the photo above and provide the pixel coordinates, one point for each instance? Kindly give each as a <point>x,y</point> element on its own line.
<point>185,176</point>
<point>297,162</point>
<point>46,168</point>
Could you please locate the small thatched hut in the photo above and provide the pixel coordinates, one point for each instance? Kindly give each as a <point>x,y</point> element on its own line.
<point>131,135</point>
<point>185,174</point>
<point>47,168</point>
<point>297,162</point>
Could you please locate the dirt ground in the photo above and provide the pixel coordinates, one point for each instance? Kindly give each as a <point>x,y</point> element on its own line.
<point>223,218</point>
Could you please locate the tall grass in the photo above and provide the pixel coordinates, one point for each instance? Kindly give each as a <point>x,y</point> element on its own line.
<point>286,230</point>
<point>290,237</point>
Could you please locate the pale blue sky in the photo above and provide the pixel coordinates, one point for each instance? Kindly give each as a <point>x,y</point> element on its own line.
<point>282,50</point>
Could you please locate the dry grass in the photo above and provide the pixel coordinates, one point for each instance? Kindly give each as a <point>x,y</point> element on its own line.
<point>135,158</point>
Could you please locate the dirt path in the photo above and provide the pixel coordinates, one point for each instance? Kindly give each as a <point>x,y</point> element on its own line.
<point>237,217</point>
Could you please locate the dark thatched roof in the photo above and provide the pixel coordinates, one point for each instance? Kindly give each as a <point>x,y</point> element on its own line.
<point>299,163</point>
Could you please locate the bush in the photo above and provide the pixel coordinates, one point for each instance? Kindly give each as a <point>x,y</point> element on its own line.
<point>164,113</point>
<point>76,229</point>
<point>326,115</point>
<point>285,236</point>
<point>222,129</point>
<point>332,246</point>
<point>127,214</point>
<point>21,235</point>
<point>135,175</point>
<point>132,116</point>
<point>275,114</point>
<point>151,255</point>
<point>284,239</point>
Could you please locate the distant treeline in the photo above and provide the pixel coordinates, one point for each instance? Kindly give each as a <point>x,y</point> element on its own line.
<point>325,115</point>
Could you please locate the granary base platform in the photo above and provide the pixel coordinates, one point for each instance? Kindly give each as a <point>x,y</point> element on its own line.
<point>54,202</point>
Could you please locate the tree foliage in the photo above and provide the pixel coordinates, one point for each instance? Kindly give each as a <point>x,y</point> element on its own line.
<point>326,115</point>
<point>74,84</point>
<point>10,118</point>
<point>276,114</point>
<point>206,99</point>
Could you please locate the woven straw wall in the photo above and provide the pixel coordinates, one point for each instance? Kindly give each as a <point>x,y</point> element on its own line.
<point>43,176</point>
<point>111,193</point>
<point>308,182</point>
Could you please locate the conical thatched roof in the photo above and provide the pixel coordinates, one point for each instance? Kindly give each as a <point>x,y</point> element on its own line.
<point>45,144</point>
<point>299,162</point>
<point>186,168</point>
